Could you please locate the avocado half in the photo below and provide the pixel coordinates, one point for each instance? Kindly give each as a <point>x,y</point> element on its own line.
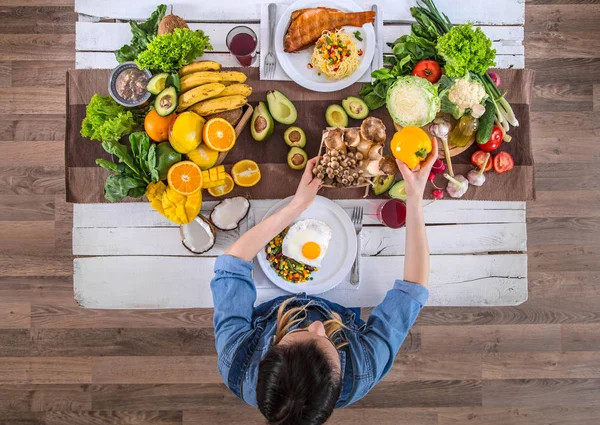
<point>166,102</point>
<point>355,108</point>
<point>382,184</point>
<point>336,116</point>
<point>261,125</point>
<point>297,158</point>
<point>295,136</point>
<point>281,108</point>
<point>157,83</point>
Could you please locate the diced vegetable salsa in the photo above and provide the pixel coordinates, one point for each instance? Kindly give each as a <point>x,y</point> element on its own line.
<point>288,269</point>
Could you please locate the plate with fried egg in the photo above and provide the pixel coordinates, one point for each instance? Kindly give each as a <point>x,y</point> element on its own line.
<point>322,240</point>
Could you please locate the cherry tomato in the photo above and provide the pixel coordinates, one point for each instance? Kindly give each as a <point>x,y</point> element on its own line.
<point>428,69</point>
<point>495,140</point>
<point>478,158</point>
<point>503,162</point>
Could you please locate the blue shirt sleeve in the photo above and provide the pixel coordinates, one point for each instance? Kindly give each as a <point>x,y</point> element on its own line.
<point>234,295</point>
<point>389,324</point>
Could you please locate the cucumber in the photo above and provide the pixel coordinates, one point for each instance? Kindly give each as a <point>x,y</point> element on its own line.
<point>486,123</point>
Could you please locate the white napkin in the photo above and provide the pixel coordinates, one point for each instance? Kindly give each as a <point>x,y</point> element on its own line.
<point>280,75</point>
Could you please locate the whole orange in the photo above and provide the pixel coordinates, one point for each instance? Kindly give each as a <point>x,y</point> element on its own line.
<point>157,127</point>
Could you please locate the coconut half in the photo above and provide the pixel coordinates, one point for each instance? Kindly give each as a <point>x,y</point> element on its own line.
<point>198,236</point>
<point>228,213</point>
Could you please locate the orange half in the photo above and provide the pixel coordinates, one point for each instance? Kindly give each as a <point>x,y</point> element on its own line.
<point>224,189</point>
<point>246,173</point>
<point>219,134</point>
<point>185,178</point>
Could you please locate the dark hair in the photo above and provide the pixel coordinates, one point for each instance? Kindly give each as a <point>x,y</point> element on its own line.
<point>297,385</point>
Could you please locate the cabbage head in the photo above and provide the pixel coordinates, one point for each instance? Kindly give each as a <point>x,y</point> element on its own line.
<point>412,101</point>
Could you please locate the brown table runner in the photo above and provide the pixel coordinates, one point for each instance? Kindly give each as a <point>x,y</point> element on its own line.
<point>85,180</point>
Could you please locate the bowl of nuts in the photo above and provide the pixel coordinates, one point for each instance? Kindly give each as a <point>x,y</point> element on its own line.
<point>352,157</point>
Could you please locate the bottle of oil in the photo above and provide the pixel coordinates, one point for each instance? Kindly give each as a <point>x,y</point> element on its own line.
<point>464,131</point>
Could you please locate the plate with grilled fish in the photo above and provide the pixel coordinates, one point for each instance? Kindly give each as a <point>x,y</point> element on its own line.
<point>325,45</point>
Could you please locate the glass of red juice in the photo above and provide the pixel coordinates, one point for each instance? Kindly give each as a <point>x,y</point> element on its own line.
<point>242,42</point>
<point>392,213</point>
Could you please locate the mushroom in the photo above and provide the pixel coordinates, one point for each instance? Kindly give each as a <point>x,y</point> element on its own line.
<point>440,128</point>
<point>457,185</point>
<point>373,129</point>
<point>373,169</point>
<point>476,177</point>
<point>352,137</point>
<point>334,141</point>
<point>363,148</point>
<point>389,166</point>
<point>375,152</point>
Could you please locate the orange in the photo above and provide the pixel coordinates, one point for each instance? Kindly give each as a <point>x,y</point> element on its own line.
<point>157,127</point>
<point>245,173</point>
<point>218,134</point>
<point>224,189</point>
<point>185,178</point>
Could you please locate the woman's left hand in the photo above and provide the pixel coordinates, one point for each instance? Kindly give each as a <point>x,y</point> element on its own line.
<point>307,189</point>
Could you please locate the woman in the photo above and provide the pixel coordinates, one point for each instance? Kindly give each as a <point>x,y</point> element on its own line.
<point>298,357</point>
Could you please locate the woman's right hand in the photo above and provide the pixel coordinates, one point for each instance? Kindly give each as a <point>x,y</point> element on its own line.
<point>416,179</point>
<point>307,188</point>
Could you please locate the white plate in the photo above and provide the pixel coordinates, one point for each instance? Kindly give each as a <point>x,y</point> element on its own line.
<point>295,64</point>
<point>340,256</point>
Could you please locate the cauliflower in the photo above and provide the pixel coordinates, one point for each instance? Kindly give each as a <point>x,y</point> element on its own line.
<point>458,95</point>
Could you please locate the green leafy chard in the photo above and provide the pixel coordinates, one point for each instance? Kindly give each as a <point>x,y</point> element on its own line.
<point>143,34</point>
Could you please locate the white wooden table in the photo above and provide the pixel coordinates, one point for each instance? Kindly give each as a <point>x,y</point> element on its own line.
<point>128,256</point>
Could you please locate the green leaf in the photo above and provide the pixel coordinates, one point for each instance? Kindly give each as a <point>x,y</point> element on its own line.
<point>124,155</point>
<point>137,192</point>
<point>151,164</point>
<point>382,74</point>
<point>373,101</point>
<point>142,35</point>
<point>117,187</point>
<point>108,165</point>
<point>106,120</point>
<point>173,81</point>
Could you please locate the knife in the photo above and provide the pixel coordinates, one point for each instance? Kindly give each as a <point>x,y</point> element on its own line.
<point>376,60</point>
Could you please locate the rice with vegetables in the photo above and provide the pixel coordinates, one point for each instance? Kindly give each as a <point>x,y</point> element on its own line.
<point>288,269</point>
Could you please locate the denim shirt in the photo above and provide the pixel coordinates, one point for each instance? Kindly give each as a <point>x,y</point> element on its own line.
<point>243,333</point>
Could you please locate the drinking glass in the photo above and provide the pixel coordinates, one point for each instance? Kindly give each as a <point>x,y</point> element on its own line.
<point>392,213</point>
<point>242,43</point>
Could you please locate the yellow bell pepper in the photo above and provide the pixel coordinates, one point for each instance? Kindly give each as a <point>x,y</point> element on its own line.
<point>411,146</point>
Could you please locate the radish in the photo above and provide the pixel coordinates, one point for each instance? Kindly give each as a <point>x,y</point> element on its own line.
<point>438,167</point>
<point>438,194</point>
<point>495,78</point>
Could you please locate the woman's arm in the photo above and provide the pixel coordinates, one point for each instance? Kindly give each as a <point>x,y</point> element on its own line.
<point>416,259</point>
<point>256,238</point>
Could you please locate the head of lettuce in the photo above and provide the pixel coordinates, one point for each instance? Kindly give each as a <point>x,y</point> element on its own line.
<point>412,101</point>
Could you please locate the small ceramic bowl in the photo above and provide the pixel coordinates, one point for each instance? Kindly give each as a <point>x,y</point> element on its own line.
<point>127,85</point>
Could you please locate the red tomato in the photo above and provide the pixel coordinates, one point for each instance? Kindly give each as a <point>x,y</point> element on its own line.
<point>503,162</point>
<point>428,69</point>
<point>478,158</point>
<point>495,140</point>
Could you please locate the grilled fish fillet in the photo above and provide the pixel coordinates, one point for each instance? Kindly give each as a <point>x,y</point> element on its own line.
<point>307,25</point>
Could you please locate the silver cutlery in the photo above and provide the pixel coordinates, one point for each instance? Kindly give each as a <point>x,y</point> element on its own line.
<point>357,220</point>
<point>270,62</point>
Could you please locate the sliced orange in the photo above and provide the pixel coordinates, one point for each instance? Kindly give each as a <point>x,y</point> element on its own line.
<point>185,178</point>
<point>218,134</point>
<point>224,189</point>
<point>245,173</point>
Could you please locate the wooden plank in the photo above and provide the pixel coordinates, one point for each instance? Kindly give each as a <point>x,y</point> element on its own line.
<point>106,60</point>
<point>49,266</point>
<point>5,74</point>
<point>140,214</point>
<point>108,36</point>
<point>41,398</point>
<point>27,208</point>
<point>580,337</point>
<point>555,284</point>
<point>562,17</point>
<point>48,73</point>
<point>28,237</point>
<point>15,343</point>
<point>15,315</point>
<point>46,370</point>
<point>19,127</point>
<point>156,370</point>
<point>28,100</point>
<point>72,316</point>
<point>556,365</point>
<point>17,180</point>
<point>36,47</point>
<point>124,342</point>
<point>38,20</point>
<point>551,45</point>
<point>481,280</point>
<point>376,240</point>
<point>521,415</point>
<point>38,290</point>
<point>422,393</point>
<point>94,418</point>
<point>490,339</point>
<point>541,392</point>
<point>511,12</point>
<point>435,366</point>
<point>568,203</point>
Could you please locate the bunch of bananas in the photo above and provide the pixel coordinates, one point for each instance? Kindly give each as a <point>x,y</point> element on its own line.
<point>205,90</point>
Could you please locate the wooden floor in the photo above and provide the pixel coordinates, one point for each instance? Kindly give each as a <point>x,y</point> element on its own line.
<point>535,364</point>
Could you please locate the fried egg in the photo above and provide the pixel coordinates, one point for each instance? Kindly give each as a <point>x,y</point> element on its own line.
<point>307,242</point>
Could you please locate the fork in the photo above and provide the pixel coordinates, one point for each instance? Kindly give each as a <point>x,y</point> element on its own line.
<point>270,62</point>
<point>357,220</point>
